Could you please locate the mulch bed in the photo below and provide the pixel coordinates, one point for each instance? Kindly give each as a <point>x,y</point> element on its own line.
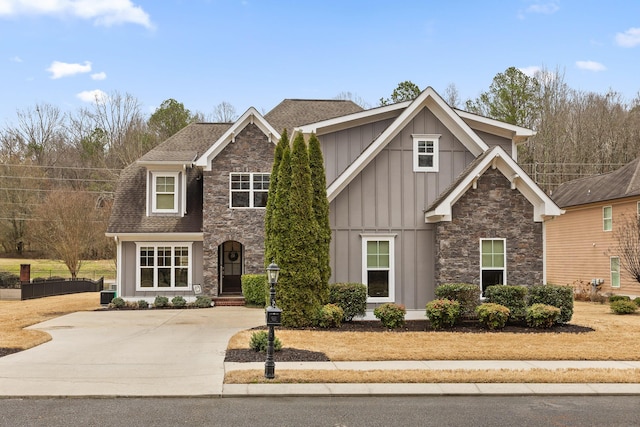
<point>8,351</point>
<point>296,355</point>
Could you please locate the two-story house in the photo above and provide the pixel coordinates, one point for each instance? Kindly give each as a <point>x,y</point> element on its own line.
<point>582,244</point>
<point>420,194</point>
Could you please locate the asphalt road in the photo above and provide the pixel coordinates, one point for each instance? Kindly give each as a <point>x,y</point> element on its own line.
<point>442,411</point>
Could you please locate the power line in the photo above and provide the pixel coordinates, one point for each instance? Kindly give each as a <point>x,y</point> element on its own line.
<point>44,178</point>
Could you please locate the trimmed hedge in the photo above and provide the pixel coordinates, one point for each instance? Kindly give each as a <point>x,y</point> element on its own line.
<point>542,315</point>
<point>492,316</point>
<point>466,294</point>
<point>623,307</point>
<point>330,316</point>
<point>350,297</point>
<point>9,280</point>
<point>557,296</point>
<point>391,315</point>
<point>512,297</point>
<point>614,298</point>
<point>255,289</point>
<point>443,313</point>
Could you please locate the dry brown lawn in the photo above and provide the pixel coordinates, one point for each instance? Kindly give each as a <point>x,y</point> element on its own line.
<point>17,315</point>
<point>615,338</point>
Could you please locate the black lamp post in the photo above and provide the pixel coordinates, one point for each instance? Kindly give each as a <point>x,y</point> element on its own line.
<point>274,318</point>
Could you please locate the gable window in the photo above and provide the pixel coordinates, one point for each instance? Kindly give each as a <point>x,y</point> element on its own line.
<point>165,194</point>
<point>249,190</point>
<point>163,266</point>
<point>492,263</point>
<point>378,267</point>
<point>607,218</point>
<point>425,153</point>
<point>614,262</point>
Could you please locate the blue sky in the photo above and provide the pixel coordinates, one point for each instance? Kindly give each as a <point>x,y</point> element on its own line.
<point>258,52</point>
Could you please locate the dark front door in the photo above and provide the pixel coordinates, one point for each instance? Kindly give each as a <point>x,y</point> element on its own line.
<point>230,253</point>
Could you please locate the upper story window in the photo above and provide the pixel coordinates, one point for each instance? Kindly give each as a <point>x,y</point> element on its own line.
<point>248,190</point>
<point>165,192</point>
<point>425,153</point>
<point>607,218</point>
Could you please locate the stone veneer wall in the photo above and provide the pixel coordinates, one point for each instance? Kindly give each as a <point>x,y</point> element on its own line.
<point>493,210</point>
<point>251,152</point>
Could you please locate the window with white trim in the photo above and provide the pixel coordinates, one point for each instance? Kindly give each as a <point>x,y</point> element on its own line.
<point>248,190</point>
<point>607,218</point>
<point>425,153</point>
<point>493,263</point>
<point>378,267</point>
<point>614,263</point>
<point>163,266</point>
<point>165,192</point>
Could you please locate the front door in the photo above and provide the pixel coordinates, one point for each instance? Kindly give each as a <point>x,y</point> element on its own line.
<point>230,267</point>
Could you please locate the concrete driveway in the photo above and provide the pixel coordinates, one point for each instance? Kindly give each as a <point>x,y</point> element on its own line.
<point>128,353</point>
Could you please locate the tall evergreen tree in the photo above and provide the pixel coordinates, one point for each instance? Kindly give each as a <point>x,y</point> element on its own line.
<point>280,217</point>
<point>299,284</point>
<point>321,212</point>
<point>271,200</point>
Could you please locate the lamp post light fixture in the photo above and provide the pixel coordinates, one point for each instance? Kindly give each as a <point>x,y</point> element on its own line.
<point>274,318</point>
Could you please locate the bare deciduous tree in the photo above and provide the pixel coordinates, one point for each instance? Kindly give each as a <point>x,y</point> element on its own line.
<point>224,113</point>
<point>355,98</point>
<point>627,235</point>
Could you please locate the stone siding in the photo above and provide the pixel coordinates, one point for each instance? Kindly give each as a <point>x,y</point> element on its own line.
<point>251,152</point>
<point>493,210</point>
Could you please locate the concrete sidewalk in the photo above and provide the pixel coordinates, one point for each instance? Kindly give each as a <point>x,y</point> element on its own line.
<point>181,353</point>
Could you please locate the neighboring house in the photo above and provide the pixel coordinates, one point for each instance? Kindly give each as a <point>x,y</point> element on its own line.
<point>582,243</point>
<point>420,194</point>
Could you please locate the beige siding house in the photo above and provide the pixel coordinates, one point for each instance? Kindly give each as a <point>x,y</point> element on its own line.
<point>582,244</point>
<point>420,194</point>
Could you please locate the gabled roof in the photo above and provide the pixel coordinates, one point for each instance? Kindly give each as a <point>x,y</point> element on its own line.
<point>496,157</point>
<point>623,182</point>
<point>296,112</point>
<point>186,145</point>
<point>427,99</point>
<point>251,116</point>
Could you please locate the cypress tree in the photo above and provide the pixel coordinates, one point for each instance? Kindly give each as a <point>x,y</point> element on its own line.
<point>271,200</point>
<point>299,283</point>
<point>321,213</point>
<point>280,215</point>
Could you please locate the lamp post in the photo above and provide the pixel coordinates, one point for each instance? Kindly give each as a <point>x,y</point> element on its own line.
<point>274,318</point>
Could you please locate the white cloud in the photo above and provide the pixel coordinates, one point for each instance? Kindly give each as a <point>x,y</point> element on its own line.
<point>94,96</point>
<point>629,38</point>
<point>63,69</point>
<point>99,76</point>
<point>590,66</point>
<point>15,59</point>
<point>544,8</point>
<point>102,12</point>
<point>531,70</point>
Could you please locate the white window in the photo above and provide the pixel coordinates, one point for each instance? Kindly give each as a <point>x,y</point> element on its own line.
<point>425,153</point>
<point>614,262</point>
<point>165,192</point>
<point>607,218</point>
<point>378,267</point>
<point>163,266</point>
<point>493,263</point>
<point>248,190</point>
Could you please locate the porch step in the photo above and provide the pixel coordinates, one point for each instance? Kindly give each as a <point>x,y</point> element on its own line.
<point>235,301</point>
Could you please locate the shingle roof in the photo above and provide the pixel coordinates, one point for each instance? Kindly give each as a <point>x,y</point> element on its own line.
<point>623,182</point>
<point>297,112</point>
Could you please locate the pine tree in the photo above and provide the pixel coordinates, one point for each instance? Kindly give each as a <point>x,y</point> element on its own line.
<point>321,212</point>
<point>271,200</point>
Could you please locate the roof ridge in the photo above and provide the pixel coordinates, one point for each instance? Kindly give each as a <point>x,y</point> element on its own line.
<point>634,182</point>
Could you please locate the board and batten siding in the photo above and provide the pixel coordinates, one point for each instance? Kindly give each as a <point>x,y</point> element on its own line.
<point>388,197</point>
<point>578,249</point>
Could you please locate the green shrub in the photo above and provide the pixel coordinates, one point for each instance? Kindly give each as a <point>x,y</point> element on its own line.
<point>330,316</point>
<point>390,314</point>
<point>637,301</point>
<point>623,307</point>
<point>557,296</point>
<point>466,294</point>
<point>9,280</point>
<point>350,297</point>
<point>202,301</point>
<point>614,298</point>
<point>512,297</point>
<point>161,302</point>
<point>492,316</point>
<point>143,304</point>
<point>118,302</point>
<point>443,313</point>
<point>255,289</point>
<point>542,315</point>
<point>260,342</point>
<point>179,301</point>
